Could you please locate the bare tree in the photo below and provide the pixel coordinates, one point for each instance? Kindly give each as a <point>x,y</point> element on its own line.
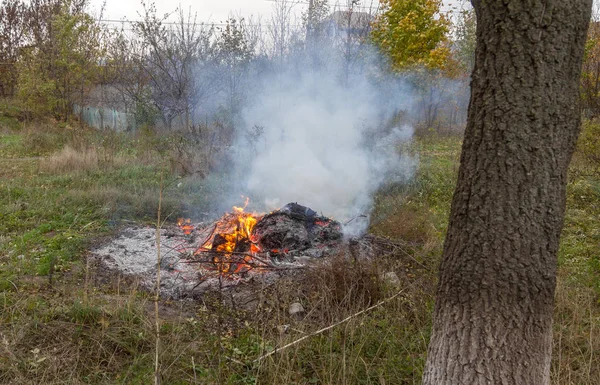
<point>317,32</point>
<point>354,27</point>
<point>314,20</point>
<point>127,75</point>
<point>281,30</point>
<point>168,58</point>
<point>234,54</point>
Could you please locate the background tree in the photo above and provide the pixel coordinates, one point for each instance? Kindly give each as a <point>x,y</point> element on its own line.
<point>127,75</point>
<point>466,39</point>
<point>590,79</point>
<point>281,30</point>
<point>61,61</point>
<point>169,57</point>
<point>234,54</point>
<point>412,33</point>
<point>314,21</point>
<point>413,36</point>
<point>354,27</point>
<point>494,304</point>
<point>12,38</point>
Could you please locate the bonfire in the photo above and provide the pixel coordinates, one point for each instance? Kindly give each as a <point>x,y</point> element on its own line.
<point>239,247</point>
<point>240,242</point>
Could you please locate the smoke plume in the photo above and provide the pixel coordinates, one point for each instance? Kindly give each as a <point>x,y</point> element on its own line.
<point>326,139</point>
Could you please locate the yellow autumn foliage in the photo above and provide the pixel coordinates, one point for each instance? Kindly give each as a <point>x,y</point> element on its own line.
<point>413,34</point>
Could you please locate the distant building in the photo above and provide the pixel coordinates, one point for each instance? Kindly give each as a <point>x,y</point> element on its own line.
<point>349,23</point>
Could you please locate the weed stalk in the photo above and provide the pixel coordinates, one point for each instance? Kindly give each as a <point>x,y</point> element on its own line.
<point>157,292</point>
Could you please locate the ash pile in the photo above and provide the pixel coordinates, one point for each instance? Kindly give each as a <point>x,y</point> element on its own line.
<point>236,251</point>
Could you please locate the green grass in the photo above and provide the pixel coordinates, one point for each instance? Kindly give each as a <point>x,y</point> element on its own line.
<point>11,145</point>
<point>52,217</point>
<point>60,323</point>
<point>47,218</point>
<point>9,115</point>
<point>55,325</point>
<point>419,212</point>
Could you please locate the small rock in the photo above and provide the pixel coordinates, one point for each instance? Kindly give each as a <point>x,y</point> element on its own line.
<point>391,278</point>
<point>296,309</point>
<point>282,329</point>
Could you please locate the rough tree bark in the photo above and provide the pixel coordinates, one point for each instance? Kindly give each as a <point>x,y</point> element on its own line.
<point>493,313</point>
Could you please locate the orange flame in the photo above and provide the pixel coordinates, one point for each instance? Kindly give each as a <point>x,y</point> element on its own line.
<point>232,240</point>
<point>185,225</point>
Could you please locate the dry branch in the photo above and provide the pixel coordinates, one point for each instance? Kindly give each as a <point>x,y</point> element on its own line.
<point>380,303</point>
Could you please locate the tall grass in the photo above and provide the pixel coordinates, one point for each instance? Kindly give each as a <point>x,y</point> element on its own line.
<point>89,326</point>
<point>69,160</point>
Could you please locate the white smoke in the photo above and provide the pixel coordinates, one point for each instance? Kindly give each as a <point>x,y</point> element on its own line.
<point>325,143</point>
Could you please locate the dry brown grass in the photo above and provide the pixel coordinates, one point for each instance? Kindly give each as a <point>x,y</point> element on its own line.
<point>62,334</point>
<point>82,159</point>
<point>69,342</point>
<point>404,221</point>
<point>576,353</point>
<point>343,282</point>
<point>70,160</point>
<point>384,345</point>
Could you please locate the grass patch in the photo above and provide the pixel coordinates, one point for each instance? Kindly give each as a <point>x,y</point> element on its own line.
<point>66,187</point>
<point>10,115</point>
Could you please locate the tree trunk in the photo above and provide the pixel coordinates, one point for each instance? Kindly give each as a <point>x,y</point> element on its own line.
<point>493,315</point>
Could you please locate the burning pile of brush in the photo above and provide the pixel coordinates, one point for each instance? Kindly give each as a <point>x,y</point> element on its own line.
<point>240,242</point>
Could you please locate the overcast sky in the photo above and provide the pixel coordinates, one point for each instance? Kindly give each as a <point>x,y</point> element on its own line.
<point>209,10</point>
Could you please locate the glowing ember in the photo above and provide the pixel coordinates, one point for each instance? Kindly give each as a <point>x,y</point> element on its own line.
<point>185,225</point>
